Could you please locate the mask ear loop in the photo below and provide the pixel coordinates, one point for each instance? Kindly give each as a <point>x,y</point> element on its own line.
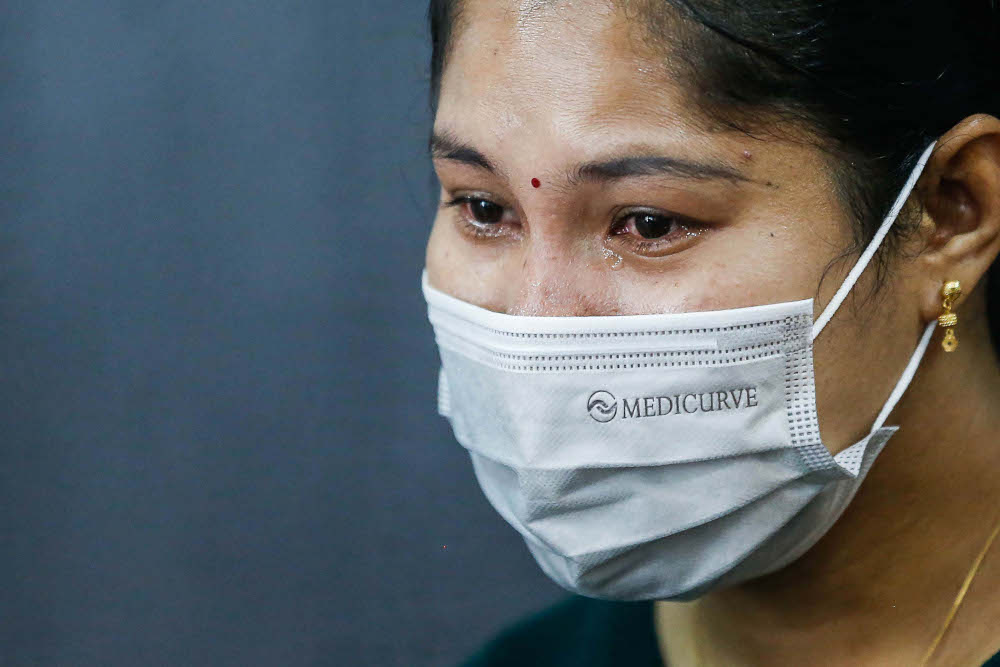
<point>866,256</point>
<point>858,269</point>
<point>904,379</point>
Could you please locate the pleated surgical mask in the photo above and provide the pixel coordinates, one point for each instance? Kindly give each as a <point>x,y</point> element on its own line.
<point>654,456</point>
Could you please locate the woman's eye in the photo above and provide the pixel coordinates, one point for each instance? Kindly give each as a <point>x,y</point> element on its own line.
<point>655,234</point>
<point>481,217</point>
<point>485,212</point>
<point>650,226</point>
<point>477,210</point>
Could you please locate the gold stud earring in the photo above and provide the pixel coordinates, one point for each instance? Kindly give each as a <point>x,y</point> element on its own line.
<point>950,291</point>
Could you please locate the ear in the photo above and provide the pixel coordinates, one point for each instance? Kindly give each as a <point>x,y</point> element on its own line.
<point>961,196</point>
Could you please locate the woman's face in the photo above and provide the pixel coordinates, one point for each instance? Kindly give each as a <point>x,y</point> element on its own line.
<point>587,187</point>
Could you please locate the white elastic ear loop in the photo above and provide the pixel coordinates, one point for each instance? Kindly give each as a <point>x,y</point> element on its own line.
<point>908,373</point>
<point>876,241</point>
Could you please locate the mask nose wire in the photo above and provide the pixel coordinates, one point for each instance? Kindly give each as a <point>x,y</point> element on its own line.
<point>873,246</point>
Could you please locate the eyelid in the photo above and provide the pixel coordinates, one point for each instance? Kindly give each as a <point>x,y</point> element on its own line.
<point>468,198</point>
<point>460,199</point>
<point>625,212</point>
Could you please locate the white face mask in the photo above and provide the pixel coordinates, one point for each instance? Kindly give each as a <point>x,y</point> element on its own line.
<point>654,456</point>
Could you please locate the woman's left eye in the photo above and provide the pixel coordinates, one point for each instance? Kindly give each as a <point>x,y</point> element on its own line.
<point>652,233</point>
<point>650,226</point>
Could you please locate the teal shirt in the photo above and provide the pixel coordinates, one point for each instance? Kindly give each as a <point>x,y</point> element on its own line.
<point>583,632</point>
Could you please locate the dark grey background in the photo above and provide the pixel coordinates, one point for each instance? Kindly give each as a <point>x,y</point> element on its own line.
<point>219,444</point>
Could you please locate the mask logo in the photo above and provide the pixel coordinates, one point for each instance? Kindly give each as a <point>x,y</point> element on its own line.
<point>602,406</point>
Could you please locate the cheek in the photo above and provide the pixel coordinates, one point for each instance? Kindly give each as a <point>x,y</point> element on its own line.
<point>436,255</point>
<point>444,266</point>
<point>456,268</point>
<point>744,265</point>
<point>859,357</point>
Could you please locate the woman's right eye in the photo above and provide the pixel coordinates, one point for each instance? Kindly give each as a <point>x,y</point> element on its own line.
<point>482,216</point>
<point>485,211</point>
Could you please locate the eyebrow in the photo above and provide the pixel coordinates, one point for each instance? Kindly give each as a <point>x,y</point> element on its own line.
<point>444,145</point>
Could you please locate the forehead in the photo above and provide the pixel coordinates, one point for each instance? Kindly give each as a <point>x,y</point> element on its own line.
<point>560,65</point>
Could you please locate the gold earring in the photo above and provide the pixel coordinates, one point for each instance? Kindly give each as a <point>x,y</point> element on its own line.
<point>950,291</point>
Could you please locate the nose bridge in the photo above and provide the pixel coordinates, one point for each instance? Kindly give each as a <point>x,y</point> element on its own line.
<point>556,278</point>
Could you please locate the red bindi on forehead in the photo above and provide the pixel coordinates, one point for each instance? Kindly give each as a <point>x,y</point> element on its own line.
<point>535,183</point>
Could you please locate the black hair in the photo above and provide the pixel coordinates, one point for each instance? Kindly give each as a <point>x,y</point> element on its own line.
<point>873,82</point>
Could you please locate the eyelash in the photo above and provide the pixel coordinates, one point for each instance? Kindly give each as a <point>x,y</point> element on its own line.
<point>689,229</point>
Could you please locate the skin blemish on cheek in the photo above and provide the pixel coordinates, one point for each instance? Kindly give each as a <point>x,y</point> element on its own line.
<point>747,155</point>
<point>535,183</point>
